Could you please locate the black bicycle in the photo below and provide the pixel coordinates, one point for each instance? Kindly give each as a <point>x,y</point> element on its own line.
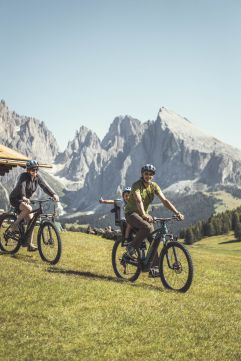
<point>48,238</point>
<point>175,262</point>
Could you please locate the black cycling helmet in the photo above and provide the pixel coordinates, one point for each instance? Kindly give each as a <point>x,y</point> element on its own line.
<point>32,164</point>
<point>148,168</point>
<point>126,190</point>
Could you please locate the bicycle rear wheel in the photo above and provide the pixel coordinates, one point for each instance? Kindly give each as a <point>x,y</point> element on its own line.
<point>125,267</point>
<point>9,241</point>
<point>49,243</point>
<point>176,268</point>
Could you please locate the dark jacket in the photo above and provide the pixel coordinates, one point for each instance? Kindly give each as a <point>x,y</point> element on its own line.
<point>26,186</point>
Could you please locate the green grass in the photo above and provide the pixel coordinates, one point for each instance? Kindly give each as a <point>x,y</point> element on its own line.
<point>77,310</point>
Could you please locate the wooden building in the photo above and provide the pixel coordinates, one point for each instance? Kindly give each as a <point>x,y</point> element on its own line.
<point>9,159</point>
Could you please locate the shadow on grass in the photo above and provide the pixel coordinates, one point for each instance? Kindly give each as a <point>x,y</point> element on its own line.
<point>26,258</point>
<point>232,241</point>
<point>91,275</point>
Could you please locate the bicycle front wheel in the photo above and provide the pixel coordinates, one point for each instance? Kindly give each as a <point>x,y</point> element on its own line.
<point>176,268</point>
<point>9,241</point>
<point>125,267</point>
<point>49,243</point>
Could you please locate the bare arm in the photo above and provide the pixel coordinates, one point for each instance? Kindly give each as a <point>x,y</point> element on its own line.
<point>106,201</point>
<point>169,205</point>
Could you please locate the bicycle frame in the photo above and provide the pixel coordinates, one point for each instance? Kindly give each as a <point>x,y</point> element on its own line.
<point>31,224</point>
<point>159,235</point>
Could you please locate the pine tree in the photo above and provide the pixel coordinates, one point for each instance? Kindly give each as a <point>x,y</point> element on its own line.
<point>237,231</point>
<point>210,229</point>
<point>189,236</point>
<point>182,233</point>
<point>226,223</point>
<point>217,224</point>
<point>235,220</point>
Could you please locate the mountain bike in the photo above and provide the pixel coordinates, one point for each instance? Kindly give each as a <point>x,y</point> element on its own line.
<point>175,262</point>
<point>48,238</point>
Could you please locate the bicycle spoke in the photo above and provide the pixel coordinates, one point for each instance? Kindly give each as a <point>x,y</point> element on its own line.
<point>9,240</point>
<point>49,243</point>
<point>124,266</point>
<point>176,267</point>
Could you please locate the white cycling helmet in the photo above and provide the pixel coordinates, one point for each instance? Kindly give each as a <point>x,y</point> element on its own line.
<point>148,168</point>
<point>126,190</point>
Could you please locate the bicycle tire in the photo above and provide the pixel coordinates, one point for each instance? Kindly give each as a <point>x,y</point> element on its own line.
<point>175,267</point>
<point>5,222</point>
<point>119,262</point>
<point>49,227</point>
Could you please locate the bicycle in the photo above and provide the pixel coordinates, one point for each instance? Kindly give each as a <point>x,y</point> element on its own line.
<point>175,262</point>
<point>48,238</point>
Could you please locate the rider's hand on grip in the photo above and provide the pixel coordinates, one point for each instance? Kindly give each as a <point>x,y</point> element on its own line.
<point>148,218</point>
<point>56,198</point>
<point>26,200</point>
<point>180,216</point>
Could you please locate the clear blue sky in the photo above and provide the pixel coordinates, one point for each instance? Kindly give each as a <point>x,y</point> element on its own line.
<point>83,62</point>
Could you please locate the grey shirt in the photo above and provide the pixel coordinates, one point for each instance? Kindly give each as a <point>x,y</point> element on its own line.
<point>26,186</point>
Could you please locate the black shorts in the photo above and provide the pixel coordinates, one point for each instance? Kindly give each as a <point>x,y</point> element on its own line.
<point>15,203</point>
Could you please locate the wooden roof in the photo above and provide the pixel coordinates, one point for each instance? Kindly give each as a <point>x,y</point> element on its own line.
<point>9,159</point>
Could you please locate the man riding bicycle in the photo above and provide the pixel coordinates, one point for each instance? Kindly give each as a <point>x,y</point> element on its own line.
<point>136,210</point>
<point>27,184</point>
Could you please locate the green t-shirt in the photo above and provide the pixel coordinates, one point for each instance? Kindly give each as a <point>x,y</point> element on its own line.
<point>147,195</point>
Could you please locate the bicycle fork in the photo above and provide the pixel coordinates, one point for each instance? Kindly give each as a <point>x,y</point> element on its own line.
<point>173,264</point>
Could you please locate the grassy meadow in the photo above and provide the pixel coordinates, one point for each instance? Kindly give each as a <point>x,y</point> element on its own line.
<point>77,310</point>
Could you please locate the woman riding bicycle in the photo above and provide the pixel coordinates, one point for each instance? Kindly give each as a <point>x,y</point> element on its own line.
<point>27,184</point>
<point>136,210</point>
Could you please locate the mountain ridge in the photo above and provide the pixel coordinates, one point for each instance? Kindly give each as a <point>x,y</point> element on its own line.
<point>188,161</point>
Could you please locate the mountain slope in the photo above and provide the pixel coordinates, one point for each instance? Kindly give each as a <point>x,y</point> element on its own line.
<point>27,135</point>
<point>191,165</point>
<point>187,160</point>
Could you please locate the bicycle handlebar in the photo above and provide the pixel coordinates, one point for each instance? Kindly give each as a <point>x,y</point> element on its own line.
<point>167,219</point>
<point>33,201</point>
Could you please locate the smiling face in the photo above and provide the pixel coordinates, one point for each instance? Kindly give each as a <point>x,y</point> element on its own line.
<point>33,172</point>
<point>147,176</point>
<point>126,196</point>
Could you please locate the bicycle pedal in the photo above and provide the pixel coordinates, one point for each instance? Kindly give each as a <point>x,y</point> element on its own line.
<point>154,272</point>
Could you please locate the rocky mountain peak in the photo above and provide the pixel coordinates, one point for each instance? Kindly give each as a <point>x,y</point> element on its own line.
<point>26,134</point>
<point>177,124</point>
<point>123,129</point>
<point>80,153</point>
<point>84,137</point>
<point>3,105</point>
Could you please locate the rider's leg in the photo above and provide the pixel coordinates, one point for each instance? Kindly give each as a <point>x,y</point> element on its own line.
<point>123,227</point>
<point>144,231</point>
<point>25,209</point>
<point>155,261</point>
<point>144,228</point>
<point>28,218</point>
<point>127,231</point>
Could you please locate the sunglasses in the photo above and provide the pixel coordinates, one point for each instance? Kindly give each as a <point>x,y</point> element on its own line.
<point>149,174</point>
<point>33,170</point>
